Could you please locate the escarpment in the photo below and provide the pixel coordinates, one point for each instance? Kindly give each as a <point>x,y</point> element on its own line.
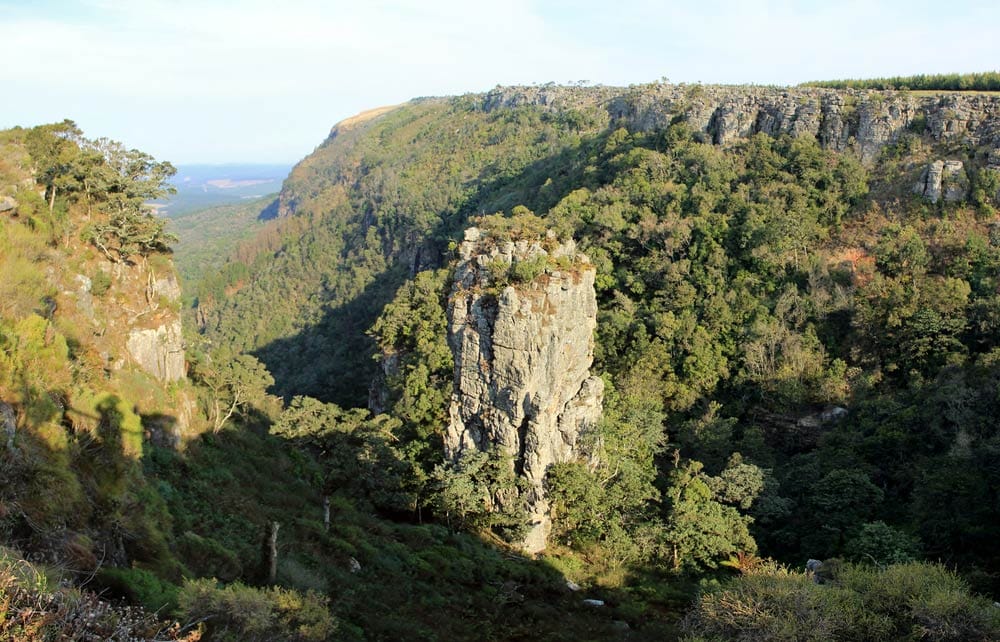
<point>522,353</point>
<point>842,120</point>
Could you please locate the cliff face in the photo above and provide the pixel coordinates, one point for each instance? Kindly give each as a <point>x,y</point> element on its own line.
<point>522,362</point>
<point>862,121</point>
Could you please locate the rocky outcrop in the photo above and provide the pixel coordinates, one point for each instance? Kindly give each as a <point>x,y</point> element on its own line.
<point>159,350</point>
<point>862,121</point>
<point>943,179</point>
<point>522,361</point>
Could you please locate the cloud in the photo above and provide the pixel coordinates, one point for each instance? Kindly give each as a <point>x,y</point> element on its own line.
<point>188,79</point>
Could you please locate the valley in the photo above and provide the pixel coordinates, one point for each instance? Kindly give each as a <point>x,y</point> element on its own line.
<point>538,363</point>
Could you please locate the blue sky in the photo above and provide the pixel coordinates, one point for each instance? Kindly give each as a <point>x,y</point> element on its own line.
<point>254,81</point>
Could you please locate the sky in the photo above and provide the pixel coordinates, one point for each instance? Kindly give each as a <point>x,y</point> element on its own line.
<point>214,81</point>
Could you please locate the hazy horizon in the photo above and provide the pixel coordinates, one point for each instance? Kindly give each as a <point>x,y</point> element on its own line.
<point>219,82</point>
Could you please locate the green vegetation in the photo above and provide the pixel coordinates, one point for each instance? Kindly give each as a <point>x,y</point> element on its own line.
<point>983,81</point>
<point>800,361</point>
<point>899,602</point>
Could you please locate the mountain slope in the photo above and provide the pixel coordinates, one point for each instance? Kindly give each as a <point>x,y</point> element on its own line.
<point>765,268</point>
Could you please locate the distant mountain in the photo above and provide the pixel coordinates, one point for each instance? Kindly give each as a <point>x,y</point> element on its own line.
<point>202,186</point>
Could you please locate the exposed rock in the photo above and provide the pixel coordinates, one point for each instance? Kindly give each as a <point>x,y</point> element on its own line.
<point>929,185</point>
<point>159,351</point>
<point>167,287</point>
<point>829,415</point>
<point>993,159</point>
<point>522,360</point>
<point>84,298</point>
<point>7,204</point>
<point>862,121</point>
<point>956,184</point>
<point>943,179</point>
<point>813,568</point>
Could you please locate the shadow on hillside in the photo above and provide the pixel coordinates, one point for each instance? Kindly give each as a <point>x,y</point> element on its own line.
<point>269,212</point>
<point>332,359</point>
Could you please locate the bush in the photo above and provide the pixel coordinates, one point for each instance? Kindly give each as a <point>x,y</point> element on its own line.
<point>31,612</point>
<point>101,283</point>
<point>242,613</point>
<point>527,270</point>
<point>902,602</point>
<point>207,557</point>
<point>139,587</point>
<point>882,544</point>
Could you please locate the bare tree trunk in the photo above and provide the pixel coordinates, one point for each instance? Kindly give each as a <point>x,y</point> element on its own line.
<point>326,513</point>
<point>52,199</point>
<point>9,422</point>
<point>272,572</point>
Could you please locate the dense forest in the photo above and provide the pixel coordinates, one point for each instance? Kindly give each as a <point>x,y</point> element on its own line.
<point>984,81</point>
<point>797,349</point>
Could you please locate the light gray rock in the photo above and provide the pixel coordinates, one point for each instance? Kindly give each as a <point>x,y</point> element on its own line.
<point>861,121</point>
<point>167,287</point>
<point>7,204</point>
<point>943,179</point>
<point>930,182</point>
<point>84,298</point>
<point>954,182</point>
<point>522,366</point>
<point>159,351</point>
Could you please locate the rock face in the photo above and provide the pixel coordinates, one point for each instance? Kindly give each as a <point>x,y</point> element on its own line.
<point>943,179</point>
<point>522,362</point>
<point>862,121</point>
<point>159,350</point>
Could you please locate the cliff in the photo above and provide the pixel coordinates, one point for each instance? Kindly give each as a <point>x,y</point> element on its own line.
<point>522,361</point>
<point>861,121</point>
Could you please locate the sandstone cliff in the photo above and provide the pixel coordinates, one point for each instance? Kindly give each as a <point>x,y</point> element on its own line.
<point>522,361</point>
<point>862,121</point>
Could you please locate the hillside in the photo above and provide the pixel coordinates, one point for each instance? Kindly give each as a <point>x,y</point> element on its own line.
<point>544,363</point>
<point>795,288</point>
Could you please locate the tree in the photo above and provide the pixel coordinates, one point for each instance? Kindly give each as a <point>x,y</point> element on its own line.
<point>355,450</point>
<point>700,529</point>
<point>54,149</point>
<point>234,384</point>
<point>481,491</point>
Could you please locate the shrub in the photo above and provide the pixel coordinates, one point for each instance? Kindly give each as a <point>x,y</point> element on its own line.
<point>139,587</point>
<point>247,614</point>
<point>101,283</point>
<point>904,601</point>
<point>207,557</point>
<point>527,270</point>
<point>31,612</point>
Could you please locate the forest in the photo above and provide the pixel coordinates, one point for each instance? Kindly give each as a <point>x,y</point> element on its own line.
<point>798,353</point>
<point>984,81</point>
